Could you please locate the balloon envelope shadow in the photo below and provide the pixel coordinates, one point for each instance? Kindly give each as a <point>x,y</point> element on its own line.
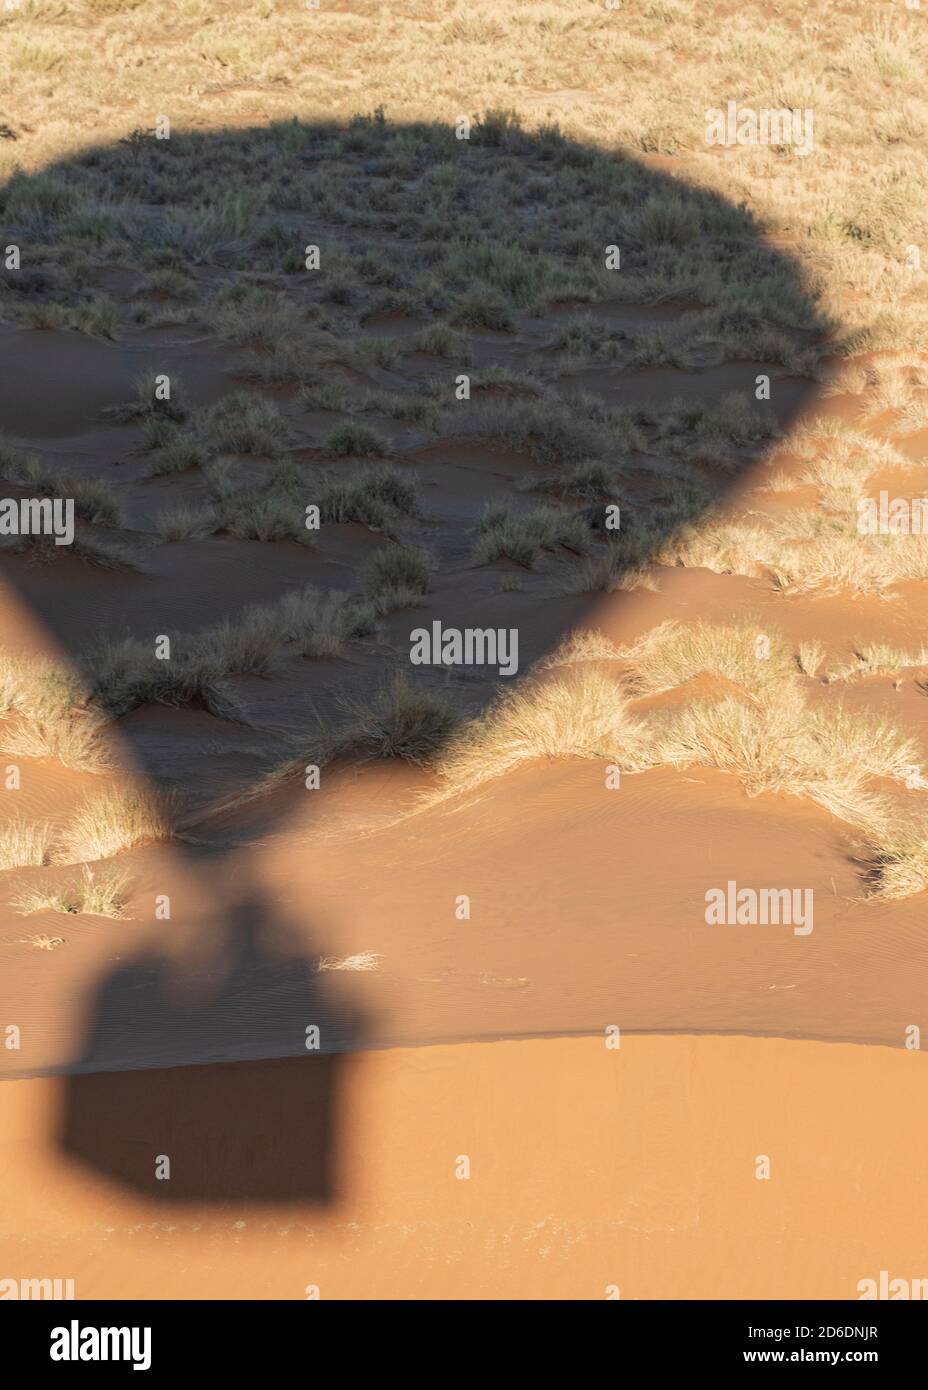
<point>167,1098</point>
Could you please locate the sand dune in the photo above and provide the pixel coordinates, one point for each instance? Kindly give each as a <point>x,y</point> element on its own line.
<point>591,1171</point>
<point>578,919</point>
<point>476,332</point>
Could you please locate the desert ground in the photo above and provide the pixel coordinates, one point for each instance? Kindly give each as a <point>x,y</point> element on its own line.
<point>326,973</point>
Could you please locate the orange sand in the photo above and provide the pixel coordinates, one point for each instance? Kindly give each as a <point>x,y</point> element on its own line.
<point>589,1168</point>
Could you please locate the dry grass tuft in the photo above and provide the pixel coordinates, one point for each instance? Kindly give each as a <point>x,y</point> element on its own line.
<point>351,440</point>
<point>879,659</point>
<point>777,742</point>
<point>674,653</point>
<point>24,844</point>
<point>402,721</point>
<point>895,857</point>
<point>521,537</point>
<point>46,706</point>
<point>579,715</point>
<point>398,577</point>
<point>116,820</point>
<point>361,961</point>
<point>810,657</point>
<point>581,645</point>
<point>97,895</point>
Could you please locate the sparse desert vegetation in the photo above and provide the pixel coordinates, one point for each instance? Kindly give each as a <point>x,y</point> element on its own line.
<point>398,577</point>
<point>344,327</point>
<point>895,857</point>
<point>521,537</point>
<point>46,714</point>
<point>768,735</point>
<point>244,465</point>
<point>402,721</point>
<point>114,820</point>
<point>24,843</point>
<point>94,894</point>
